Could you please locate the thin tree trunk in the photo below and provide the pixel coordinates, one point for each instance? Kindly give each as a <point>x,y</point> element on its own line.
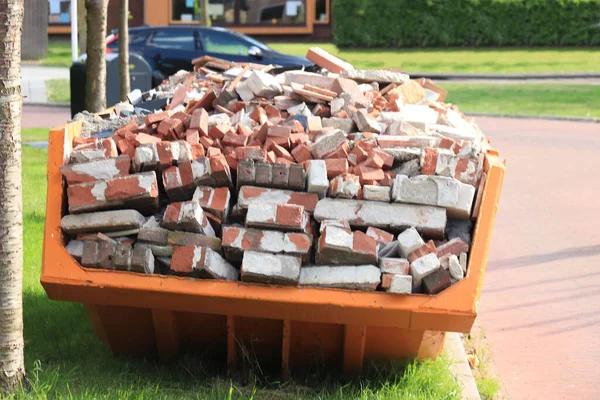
<point>82,26</point>
<point>203,17</point>
<point>12,369</point>
<point>95,91</point>
<point>124,49</point>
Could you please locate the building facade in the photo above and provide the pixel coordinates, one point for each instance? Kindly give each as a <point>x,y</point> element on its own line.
<point>271,19</point>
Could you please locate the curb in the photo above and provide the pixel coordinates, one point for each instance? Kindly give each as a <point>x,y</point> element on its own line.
<point>455,352</point>
<point>544,117</point>
<point>41,104</point>
<point>488,76</point>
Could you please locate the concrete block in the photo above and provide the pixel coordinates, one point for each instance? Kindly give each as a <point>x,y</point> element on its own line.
<point>343,124</point>
<point>103,221</point>
<point>270,268</point>
<point>428,220</point>
<point>327,144</point>
<point>361,277</point>
<point>456,197</point>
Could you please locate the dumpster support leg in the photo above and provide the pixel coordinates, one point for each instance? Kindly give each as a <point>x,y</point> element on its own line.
<point>354,348</point>
<point>165,330</point>
<point>431,344</point>
<point>285,350</point>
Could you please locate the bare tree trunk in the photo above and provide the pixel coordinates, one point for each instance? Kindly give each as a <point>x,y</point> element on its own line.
<point>12,368</point>
<point>124,49</point>
<point>203,17</point>
<point>95,91</point>
<point>82,26</point>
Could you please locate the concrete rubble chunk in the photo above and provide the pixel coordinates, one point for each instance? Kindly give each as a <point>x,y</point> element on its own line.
<point>455,269</point>
<point>345,186</point>
<point>259,84</point>
<point>327,144</point>
<point>376,193</point>
<point>102,221</point>
<point>270,268</point>
<point>423,267</point>
<point>428,220</point>
<point>343,124</point>
<point>451,194</point>
<point>360,277</point>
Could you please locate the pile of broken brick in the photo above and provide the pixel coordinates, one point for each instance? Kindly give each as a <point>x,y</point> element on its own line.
<point>346,178</point>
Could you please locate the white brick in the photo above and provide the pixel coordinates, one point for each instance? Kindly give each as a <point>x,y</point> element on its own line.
<point>455,269</point>
<point>210,264</point>
<point>463,262</point>
<point>456,197</point>
<point>377,193</point>
<point>401,284</point>
<point>362,277</point>
<point>270,268</point>
<point>317,177</point>
<point>409,241</point>
<point>422,267</point>
<point>431,221</point>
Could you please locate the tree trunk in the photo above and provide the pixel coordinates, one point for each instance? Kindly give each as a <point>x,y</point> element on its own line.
<point>95,90</point>
<point>82,26</point>
<point>12,368</point>
<point>124,49</point>
<point>203,17</point>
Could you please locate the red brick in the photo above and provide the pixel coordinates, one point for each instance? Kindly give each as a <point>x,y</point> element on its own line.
<point>261,133</point>
<point>156,117</point>
<point>126,148</point>
<point>281,152</point>
<point>259,115</point>
<point>182,260</point>
<point>374,161</point>
<point>110,148</point>
<point>192,136</point>
<point>279,130</point>
<point>272,112</point>
<point>218,131</point>
<point>429,161</point>
<point>220,171</point>
<point>301,153</point>
<point>271,157</point>
<point>181,115</point>
<point>427,248</point>
<point>96,170</point>
<point>243,130</point>
<point>206,142</point>
<point>79,140</point>
<point>454,246</point>
<point>170,129</point>
<point>326,60</point>
<point>298,138</point>
<point>280,141</point>
<point>231,161</point>
<point>357,155</point>
<point>212,152</point>
<point>284,161</point>
<point>199,121</point>
<point>336,166</point>
<point>366,173</point>
<point>234,140</point>
<point>388,159</point>
<point>340,152</point>
<point>380,235</point>
<point>197,151</point>
<point>365,245</point>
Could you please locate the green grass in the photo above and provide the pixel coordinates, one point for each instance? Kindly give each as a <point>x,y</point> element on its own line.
<point>65,360</point>
<point>478,349</point>
<point>59,55</point>
<point>528,99</point>
<point>488,387</point>
<point>58,90</point>
<point>492,60</point>
<point>34,134</point>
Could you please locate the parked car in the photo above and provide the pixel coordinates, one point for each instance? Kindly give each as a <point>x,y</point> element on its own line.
<point>169,49</point>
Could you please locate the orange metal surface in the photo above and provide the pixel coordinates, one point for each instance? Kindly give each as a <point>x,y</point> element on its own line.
<point>288,327</point>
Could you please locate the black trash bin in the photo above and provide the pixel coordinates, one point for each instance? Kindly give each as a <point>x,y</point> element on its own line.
<point>140,77</point>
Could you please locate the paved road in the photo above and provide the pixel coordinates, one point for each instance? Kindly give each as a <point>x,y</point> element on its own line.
<point>540,305</point>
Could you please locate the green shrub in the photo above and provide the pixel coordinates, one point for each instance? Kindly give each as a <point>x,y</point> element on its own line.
<point>421,23</point>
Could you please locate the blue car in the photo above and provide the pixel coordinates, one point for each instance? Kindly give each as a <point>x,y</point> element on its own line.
<point>169,49</point>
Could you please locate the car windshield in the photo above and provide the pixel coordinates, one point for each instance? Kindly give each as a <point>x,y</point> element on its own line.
<point>253,41</point>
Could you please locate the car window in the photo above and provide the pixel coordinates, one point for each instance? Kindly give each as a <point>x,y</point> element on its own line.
<point>134,38</point>
<point>224,43</point>
<point>180,39</point>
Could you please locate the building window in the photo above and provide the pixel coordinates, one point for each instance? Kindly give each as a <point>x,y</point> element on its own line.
<point>221,11</point>
<point>184,10</point>
<point>59,12</point>
<point>322,11</point>
<point>274,12</point>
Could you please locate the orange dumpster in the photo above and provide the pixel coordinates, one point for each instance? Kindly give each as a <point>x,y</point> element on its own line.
<point>136,314</point>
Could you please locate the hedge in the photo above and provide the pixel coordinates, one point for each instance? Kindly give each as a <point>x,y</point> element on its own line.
<point>411,23</point>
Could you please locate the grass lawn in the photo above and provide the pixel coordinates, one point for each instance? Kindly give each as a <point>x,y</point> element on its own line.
<point>493,60</point>
<point>64,359</point>
<point>34,134</point>
<point>59,55</point>
<point>531,99</point>
<point>58,90</point>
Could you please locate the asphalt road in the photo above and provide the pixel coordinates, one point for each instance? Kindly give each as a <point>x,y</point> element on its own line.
<point>540,306</point>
